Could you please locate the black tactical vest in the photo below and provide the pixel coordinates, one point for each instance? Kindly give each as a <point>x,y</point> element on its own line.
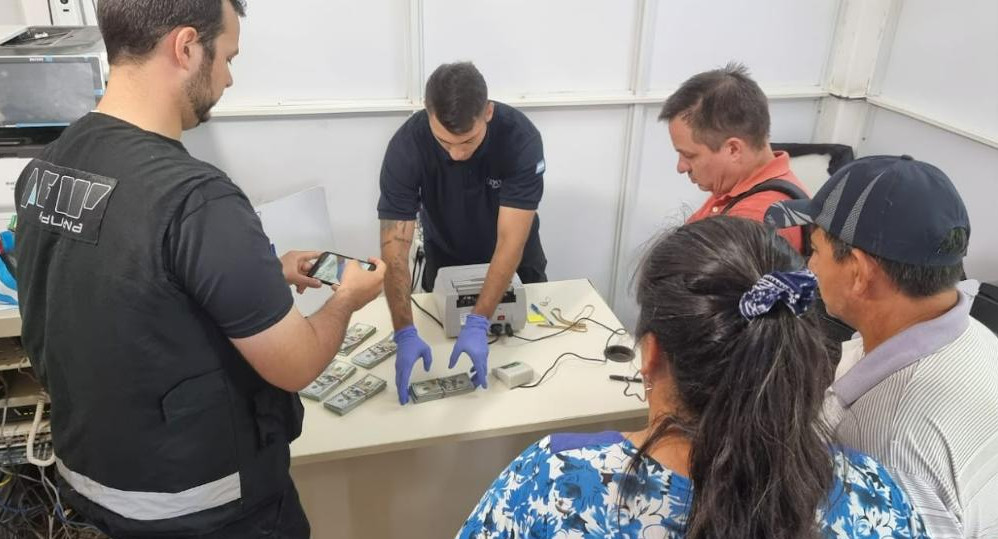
<point>159,424</point>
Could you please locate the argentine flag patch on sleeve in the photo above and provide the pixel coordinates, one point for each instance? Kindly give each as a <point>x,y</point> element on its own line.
<point>541,167</point>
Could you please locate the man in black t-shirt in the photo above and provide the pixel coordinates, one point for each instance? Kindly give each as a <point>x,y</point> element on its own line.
<point>473,171</point>
<point>153,309</point>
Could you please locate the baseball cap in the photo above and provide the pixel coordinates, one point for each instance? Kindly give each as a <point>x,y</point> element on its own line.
<point>894,207</point>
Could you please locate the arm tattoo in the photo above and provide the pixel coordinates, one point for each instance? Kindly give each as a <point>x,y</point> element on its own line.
<point>397,231</point>
<point>396,240</point>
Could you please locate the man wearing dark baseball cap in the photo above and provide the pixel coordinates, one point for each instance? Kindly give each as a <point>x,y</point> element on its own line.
<point>918,388</point>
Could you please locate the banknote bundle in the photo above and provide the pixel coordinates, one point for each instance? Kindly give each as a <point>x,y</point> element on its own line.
<point>356,334</point>
<point>440,388</point>
<point>376,353</point>
<point>335,374</point>
<point>355,394</point>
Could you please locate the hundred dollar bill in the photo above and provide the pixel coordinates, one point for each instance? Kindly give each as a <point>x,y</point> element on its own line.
<point>356,334</point>
<point>376,353</point>
<point>335,374</point>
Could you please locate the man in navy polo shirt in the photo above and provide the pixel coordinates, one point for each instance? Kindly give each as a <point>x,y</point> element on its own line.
<point>473,170</point>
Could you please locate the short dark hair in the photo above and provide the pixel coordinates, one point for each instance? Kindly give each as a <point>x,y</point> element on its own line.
<point>912,280</point>
<point>456,94</point>
<point>721,104</point>
<point>132,28</point>
<point>748,392</point>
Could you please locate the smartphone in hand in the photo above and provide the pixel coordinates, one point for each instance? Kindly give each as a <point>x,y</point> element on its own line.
<point>329,267</point>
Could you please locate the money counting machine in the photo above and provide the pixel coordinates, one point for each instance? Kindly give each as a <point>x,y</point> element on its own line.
<point>456,291</point>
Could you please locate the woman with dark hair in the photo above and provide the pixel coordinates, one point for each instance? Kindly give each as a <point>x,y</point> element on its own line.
<point>734,372</point>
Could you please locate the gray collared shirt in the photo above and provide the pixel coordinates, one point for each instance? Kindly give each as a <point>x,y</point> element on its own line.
<point>925,404</point>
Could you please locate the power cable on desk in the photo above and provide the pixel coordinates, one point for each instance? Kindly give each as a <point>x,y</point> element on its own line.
<point>555,364</point>
<point>576,323</point>
<point>606,346</point>
<point>427,313</point>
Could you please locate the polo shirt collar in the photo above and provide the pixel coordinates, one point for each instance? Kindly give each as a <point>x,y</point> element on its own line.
<point>902,350</point>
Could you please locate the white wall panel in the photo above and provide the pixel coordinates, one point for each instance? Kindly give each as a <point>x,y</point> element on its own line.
<point>584,150</point>
<point>308,50</point>
<point>527,47</point>
<point>944,63</point>
<point>783,42</point>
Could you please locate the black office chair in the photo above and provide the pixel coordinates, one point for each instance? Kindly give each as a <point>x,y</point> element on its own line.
<point>985,307</point>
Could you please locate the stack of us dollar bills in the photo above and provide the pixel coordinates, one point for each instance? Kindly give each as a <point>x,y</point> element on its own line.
<point>440,388</point>
<point>376,353</point>
<point>356,334</point>
<point>335,374</point>
<point>355,394</point>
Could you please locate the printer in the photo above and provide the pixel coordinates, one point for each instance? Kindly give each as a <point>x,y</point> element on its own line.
<point>50,76</point>
<point>456,291</point>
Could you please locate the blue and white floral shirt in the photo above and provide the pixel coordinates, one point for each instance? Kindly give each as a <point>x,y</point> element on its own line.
<point>565,486</point>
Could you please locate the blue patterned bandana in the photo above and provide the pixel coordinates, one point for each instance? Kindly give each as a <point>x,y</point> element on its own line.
<point>794,288</point>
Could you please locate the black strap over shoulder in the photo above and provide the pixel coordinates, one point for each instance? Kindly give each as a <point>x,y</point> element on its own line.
<point>772,184</point>
<point>780,186</point>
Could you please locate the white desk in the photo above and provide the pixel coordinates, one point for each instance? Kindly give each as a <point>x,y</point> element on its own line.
<point>385,470</point>
<point>577,392</point>
<point>10,323</point>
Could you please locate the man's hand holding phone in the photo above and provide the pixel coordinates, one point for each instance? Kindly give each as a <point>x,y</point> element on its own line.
<point>297,267</point>
<point>361,286</point>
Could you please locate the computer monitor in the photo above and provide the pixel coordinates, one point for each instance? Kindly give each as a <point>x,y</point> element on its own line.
<point>48,91</point>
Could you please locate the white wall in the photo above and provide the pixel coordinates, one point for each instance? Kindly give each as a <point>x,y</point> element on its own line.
<point>584,151</point>
<point>943,63</point>
<point>691,35</point>
<point>321,50</point>
<point>525,47</point>
<point>11,13</point>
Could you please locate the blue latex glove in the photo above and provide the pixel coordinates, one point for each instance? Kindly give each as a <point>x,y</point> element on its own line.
<point>409,349</point>
<point>473,340</point>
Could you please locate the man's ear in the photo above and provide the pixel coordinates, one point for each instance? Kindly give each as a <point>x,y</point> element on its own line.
<point>187,49</point>
<point>734,148</point>
<point>865,272</point>
<point>489,111</point>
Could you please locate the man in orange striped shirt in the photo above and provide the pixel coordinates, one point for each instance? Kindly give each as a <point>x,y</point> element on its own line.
<point>719,124</point>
